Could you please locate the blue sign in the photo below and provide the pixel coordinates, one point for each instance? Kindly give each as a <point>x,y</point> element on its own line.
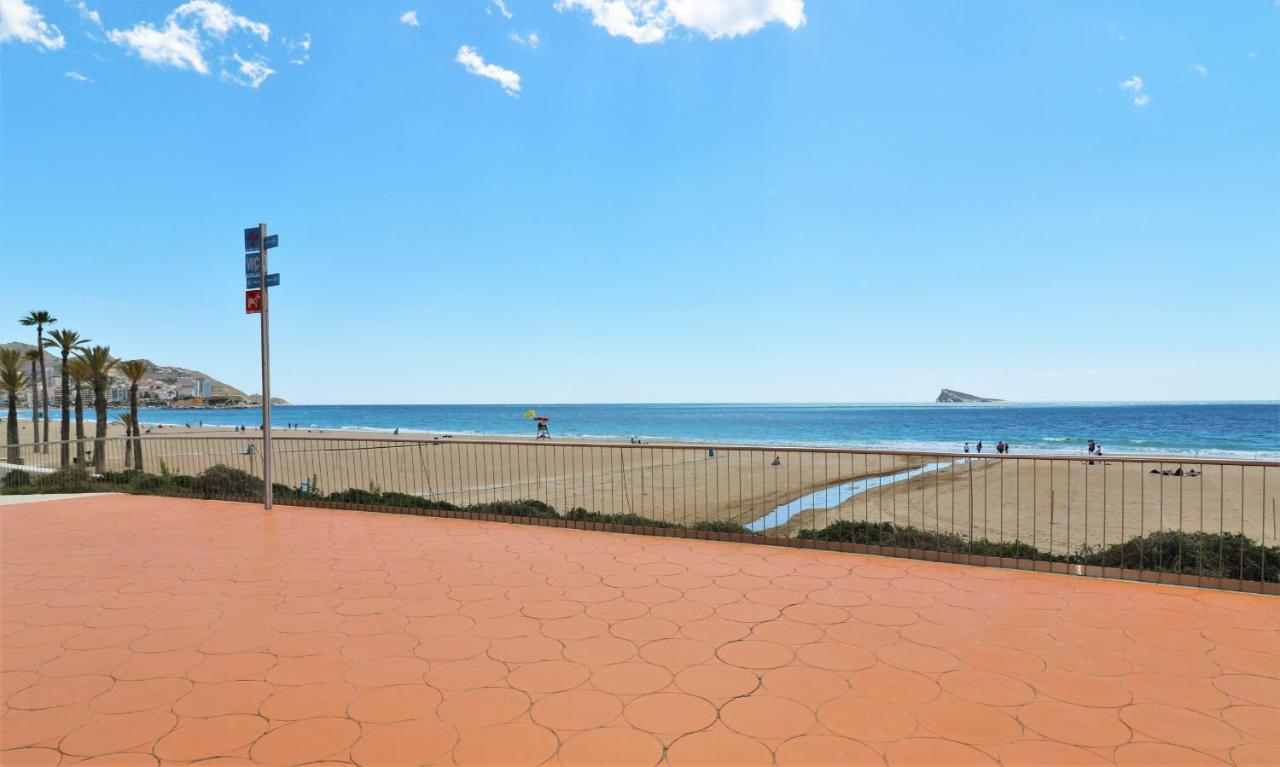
<point>253,281</point>
<point>251,238</point>
<point>271,241</point>
<point>252,264</point>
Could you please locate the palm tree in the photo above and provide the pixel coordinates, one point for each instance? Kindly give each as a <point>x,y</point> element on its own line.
<point>134,370</point>
<point>65,341</point>
<point>12,381</point>
<point>40,318</point>
<point>80,373</point>
<point>34,356</point>
<point>125,420</point>
<point>100,363</point>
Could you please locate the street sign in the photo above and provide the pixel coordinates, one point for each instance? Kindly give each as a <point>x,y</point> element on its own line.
<point>271,241</point>
<point>252,238</point>
<point>252,264</point>
<point>253,302</point>
<point>253,281</point>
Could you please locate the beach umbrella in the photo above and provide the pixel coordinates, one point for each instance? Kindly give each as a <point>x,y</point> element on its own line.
<point>542,418</point>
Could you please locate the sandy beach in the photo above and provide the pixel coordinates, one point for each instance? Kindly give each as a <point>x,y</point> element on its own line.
<point>1056,505</point>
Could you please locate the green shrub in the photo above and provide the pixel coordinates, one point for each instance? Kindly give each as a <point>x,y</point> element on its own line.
<point>15,479</point>
<point>522,508</point>
<point>1214,555</point>
<point>722,526</point>
<point>580,514</point>
<point>354,495</point>
<point>141,482</point>
<point>416,502</point>
<point>71,480</point>
<point>224,481</point>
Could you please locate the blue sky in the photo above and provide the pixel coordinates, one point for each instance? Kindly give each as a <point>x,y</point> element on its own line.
<point>777,200</point>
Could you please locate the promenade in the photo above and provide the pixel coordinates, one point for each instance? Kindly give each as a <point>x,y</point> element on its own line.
<point>166,631</point>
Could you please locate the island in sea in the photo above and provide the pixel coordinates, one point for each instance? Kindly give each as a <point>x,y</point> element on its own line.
<point>951,395</point>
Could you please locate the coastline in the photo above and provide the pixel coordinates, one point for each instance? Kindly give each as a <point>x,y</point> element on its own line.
<point>355,433</point>
<point>774,489</point>
<point>1049,448</point>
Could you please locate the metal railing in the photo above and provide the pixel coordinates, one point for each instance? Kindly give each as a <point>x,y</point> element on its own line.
<point>1191,521</point>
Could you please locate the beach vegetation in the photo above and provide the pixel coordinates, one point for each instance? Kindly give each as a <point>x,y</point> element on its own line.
<point>80,374</point>
<point>12,380</point>
<point>222,481</point>
<point>34,356</point>
<point>1212,555</point>
<point>69,480</point>
<point>722,526</point>
<point>100,363</point>
<point>67,342</point>
<point>133,371</point>
<point>15,480</point>
<point>38,318</point>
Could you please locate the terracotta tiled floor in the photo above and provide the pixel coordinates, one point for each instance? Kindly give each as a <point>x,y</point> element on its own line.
<point>149,630</point>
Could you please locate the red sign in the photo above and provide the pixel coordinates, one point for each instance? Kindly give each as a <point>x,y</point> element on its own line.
<point>253,302</point>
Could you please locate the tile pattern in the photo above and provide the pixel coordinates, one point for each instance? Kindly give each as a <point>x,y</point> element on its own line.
<point>162,631</point>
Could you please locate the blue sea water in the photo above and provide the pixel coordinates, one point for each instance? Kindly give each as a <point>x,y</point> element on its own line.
<point>1237,429</point>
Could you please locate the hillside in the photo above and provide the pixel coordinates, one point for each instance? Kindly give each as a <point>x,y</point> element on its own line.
<point>159,378</point>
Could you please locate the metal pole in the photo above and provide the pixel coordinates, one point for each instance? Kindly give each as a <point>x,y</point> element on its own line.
<point>266,368</point>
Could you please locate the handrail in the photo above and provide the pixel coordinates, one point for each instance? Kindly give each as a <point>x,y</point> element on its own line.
<point>391,441</point>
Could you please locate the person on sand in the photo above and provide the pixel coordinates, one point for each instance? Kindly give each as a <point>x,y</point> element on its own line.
<point>776,461</point>
<point>979,446</point>
<point>966,447</point>
<point>396,433</point>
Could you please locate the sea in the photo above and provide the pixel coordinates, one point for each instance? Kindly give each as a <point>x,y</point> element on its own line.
<point>1209,429</point>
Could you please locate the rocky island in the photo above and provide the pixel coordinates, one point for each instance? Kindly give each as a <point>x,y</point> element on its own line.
<point>951,395</point>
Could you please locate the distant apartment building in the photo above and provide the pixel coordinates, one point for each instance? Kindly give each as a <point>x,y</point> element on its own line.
<point>202,388</point>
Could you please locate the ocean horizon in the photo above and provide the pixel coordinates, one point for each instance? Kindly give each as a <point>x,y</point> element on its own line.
<point>1210,429</point>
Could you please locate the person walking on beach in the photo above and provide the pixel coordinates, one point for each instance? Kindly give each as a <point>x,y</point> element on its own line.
<point>966,447</point>
<point>979,446</point>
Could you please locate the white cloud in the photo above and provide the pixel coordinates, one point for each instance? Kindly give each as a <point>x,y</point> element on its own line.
<point>189,32</point>
<point>301,44</point>
<point>501,6</point>
<point>1135,86</point>
<point>89,15</point>
<point>172,46</point>
<point>253,72</point>
<point>1200,69</point>
<point>474,63</point>
<point>217,19</point>
<point>650,21</point>
<point>73,75</point>
<point>410,18</point>
<point>20,22</point>
<point>531,40</point>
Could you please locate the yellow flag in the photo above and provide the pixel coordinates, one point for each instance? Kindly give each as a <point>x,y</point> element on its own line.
<point>529,413</point>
